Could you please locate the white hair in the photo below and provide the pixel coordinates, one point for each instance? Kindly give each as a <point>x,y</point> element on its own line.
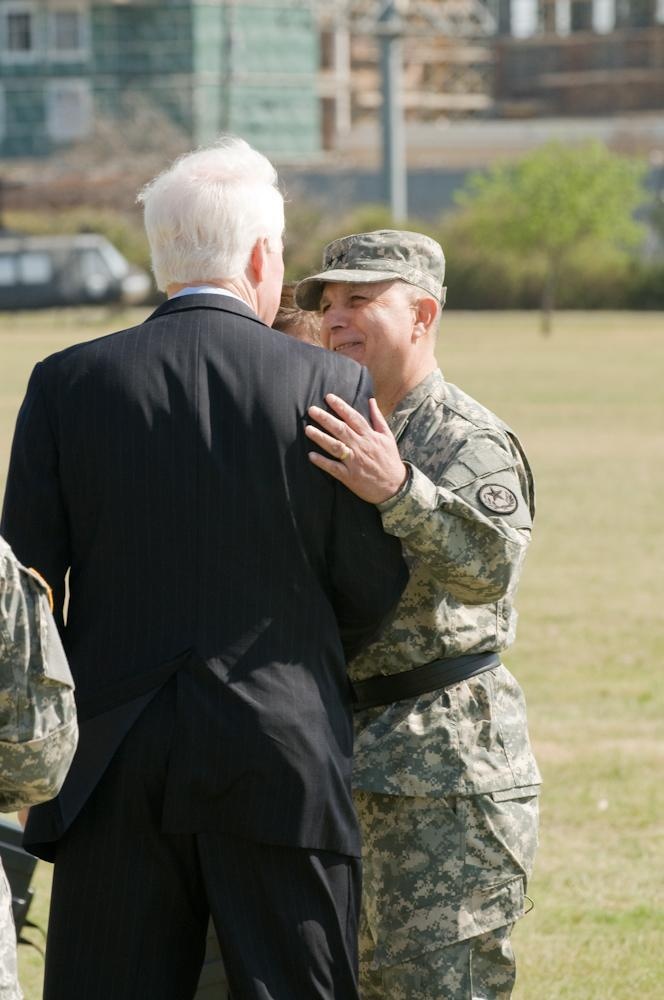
<point>204,214</point>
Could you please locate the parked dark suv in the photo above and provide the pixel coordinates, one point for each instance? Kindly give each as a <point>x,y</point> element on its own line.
<point>40,271</point>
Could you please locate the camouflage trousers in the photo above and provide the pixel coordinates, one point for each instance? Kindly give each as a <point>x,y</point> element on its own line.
<point>481,968</point>
<point>9,988</point>
<point>444,882</point>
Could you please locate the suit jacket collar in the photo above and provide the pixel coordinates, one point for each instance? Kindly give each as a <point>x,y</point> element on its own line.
<point>187,303</point>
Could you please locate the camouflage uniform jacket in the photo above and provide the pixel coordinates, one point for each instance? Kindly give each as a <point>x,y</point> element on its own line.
<point>464,517</point>
<point>38,729</point>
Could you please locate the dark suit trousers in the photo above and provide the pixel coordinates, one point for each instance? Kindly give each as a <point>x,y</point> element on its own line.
<point>130,904</point>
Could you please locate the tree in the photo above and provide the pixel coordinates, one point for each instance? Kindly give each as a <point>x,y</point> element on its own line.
<point>554,204</point>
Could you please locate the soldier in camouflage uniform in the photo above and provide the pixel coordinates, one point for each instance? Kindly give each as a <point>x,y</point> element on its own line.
<point>38,730</point>
<point>445,781</point>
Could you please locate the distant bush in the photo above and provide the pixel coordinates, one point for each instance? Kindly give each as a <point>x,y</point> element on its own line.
<point>645,289</point>
<point>478,276</point>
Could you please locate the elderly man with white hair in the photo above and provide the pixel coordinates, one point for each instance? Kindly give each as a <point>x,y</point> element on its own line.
<point>218,583</point>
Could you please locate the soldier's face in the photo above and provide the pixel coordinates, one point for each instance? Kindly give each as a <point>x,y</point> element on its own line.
<point>372,323</point>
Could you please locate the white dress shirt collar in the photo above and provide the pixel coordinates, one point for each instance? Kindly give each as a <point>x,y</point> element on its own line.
<point>208,290</point>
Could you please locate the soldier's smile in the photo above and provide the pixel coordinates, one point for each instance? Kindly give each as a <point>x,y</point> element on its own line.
<point>349,347</point>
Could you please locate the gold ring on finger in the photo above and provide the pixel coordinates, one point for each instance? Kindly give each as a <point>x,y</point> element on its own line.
<point>345,454</point>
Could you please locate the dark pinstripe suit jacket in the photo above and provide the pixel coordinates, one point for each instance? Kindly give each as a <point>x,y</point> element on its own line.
<point>166,466</point>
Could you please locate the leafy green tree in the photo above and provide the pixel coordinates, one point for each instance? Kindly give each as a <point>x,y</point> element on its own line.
<point>555,205</point>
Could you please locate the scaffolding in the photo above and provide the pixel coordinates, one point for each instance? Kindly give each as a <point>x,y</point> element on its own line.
<point>447,60</point>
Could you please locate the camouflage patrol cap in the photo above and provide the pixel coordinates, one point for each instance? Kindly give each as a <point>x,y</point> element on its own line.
<point>383,255</point>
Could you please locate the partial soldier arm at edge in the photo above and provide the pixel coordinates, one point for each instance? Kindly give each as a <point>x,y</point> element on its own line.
<point>38,728</point>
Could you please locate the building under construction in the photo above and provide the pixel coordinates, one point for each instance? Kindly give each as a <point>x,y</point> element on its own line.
<point>297,77</point>
<point>493,58</point>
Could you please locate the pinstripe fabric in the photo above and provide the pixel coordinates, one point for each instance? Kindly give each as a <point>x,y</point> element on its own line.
<point>167,466</point>
<point>128,912</point>
<point>302,939</point>
<point>286,917</point>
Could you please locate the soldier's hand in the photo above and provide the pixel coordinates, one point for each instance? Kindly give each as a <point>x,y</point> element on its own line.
<point>364,456</point>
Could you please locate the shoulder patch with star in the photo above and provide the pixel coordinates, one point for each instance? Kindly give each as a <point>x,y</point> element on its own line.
<point>498,499</point>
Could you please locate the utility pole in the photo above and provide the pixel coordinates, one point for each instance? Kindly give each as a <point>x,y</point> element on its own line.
<point>228,69</point>
<point>390,29</point>
<point>390,22</point>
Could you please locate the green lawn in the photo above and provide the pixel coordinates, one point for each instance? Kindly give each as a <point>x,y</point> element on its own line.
<point>588,404</point>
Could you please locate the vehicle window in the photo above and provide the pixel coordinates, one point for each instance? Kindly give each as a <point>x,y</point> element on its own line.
<point>92,262</point>
<point>35,268</point>
<point>95,273</point>
<point>116,262</point>
<point>8,270</point>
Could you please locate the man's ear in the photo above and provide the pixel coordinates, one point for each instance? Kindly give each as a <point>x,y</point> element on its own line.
<point>426,310</point>
<point>257,261</point>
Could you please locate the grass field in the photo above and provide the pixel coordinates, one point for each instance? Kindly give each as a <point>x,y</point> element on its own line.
<point>589,405</point>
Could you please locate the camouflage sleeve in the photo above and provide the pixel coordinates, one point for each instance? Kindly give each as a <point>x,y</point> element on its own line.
<point>470,523</point>
<point>38,729</point>
<point>9,985</point>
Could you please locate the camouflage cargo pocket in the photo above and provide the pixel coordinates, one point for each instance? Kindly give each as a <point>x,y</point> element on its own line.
<point>439,871</point>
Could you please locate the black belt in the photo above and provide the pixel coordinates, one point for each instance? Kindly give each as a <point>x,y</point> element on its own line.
<point>387,688</point>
